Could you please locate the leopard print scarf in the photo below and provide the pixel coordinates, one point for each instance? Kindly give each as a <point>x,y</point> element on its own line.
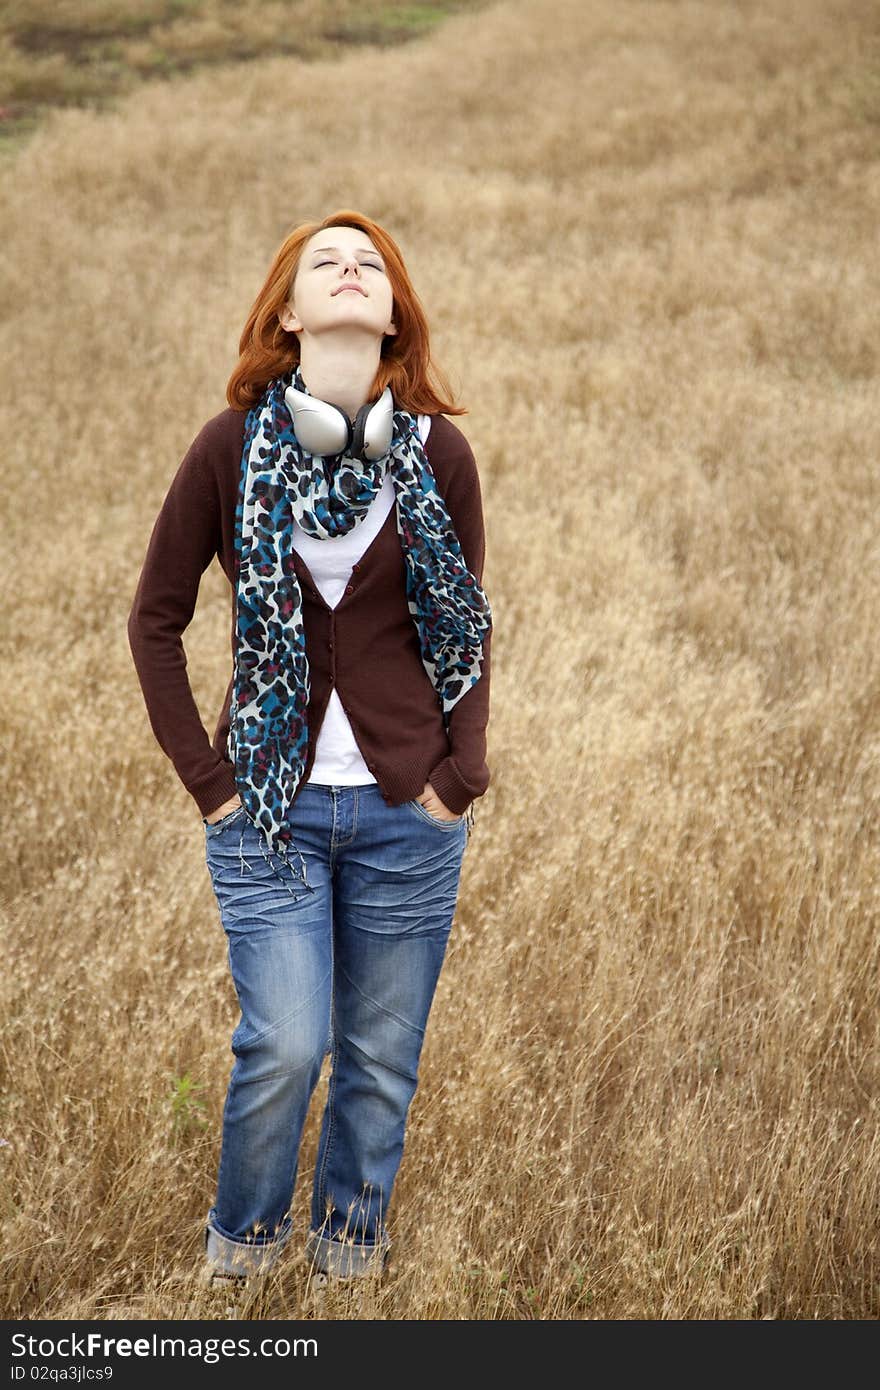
<point>279,482</point>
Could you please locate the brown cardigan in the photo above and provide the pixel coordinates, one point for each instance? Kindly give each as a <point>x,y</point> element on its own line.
<point>367,645</point>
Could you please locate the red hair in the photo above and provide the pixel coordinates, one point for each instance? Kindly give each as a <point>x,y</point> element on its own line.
<point>267,350</point>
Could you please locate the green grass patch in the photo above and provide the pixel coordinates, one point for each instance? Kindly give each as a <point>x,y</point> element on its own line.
<point>56,53</point>
<point>391,24</point>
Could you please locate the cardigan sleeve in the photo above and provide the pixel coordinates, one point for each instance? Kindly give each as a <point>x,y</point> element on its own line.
<point>464,774</point>
<point>184,540</point>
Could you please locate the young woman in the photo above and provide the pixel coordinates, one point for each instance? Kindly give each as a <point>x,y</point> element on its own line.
<point>336,793</point>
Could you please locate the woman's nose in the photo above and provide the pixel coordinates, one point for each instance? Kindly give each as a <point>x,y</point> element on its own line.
<point>351,265</point>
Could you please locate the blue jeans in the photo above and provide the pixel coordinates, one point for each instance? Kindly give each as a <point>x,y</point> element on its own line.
<point>347,966</point>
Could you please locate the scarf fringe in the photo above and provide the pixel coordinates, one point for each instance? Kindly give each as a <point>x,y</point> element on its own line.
<point>267,853</point>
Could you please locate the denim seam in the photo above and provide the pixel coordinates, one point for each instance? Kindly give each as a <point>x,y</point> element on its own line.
<point>281,1022</point>
<point>380,1061</point>
<point>331,1121</point>
<point>349,839</point>
<point>331,1086</point>
<point>404,1022</point>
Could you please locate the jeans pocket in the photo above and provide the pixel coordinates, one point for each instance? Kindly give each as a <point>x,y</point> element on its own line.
<point>218,826</point>
<point>424,814</point>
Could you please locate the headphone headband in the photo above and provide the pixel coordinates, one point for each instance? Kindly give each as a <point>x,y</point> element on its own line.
<point>324,429</point>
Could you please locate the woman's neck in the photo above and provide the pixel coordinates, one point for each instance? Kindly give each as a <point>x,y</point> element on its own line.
<point>340,372</point>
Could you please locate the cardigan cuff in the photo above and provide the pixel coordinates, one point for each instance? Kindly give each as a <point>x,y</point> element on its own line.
<point>218,787</point>
<point>450,786</point>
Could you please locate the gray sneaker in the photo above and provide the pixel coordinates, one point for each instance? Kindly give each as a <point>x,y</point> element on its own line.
<point>225,1290</point>
<point>329,1293</point>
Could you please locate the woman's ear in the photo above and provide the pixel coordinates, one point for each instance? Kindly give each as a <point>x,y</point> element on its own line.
<point>288,319</point>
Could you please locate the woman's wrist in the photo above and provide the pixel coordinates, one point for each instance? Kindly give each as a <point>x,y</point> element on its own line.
<point>224,810</point>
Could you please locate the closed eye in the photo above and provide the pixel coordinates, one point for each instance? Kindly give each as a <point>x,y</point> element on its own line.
<point>368,265</point>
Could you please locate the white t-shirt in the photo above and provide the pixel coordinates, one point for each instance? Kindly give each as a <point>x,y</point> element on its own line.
<point>338,760</point>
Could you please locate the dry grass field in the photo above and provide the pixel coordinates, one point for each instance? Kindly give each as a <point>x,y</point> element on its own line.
<point>645,232</point>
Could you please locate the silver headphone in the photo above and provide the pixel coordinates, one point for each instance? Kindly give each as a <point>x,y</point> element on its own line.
<point>323,429</point>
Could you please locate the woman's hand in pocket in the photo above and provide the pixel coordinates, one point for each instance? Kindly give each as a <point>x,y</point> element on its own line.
<point>432,803</point>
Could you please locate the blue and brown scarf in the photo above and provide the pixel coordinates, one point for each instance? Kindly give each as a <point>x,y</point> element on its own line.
<point>280,483</point>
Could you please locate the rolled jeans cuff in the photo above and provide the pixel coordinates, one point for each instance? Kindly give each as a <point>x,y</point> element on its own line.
<point>241,1257</point>
<point>346,1259</point>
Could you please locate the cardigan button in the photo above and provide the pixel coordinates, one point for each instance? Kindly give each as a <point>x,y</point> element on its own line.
<point>349,588</point>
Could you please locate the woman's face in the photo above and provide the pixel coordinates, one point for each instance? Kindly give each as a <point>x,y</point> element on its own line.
<point>340,282</point>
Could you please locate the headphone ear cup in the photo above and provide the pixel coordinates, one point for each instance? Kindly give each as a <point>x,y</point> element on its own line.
<point>359,430</point>
<point>373,428</point>
<point>321,428</point>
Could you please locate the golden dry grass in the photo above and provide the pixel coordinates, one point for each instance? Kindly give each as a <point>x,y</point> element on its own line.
<point>646,234</point>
